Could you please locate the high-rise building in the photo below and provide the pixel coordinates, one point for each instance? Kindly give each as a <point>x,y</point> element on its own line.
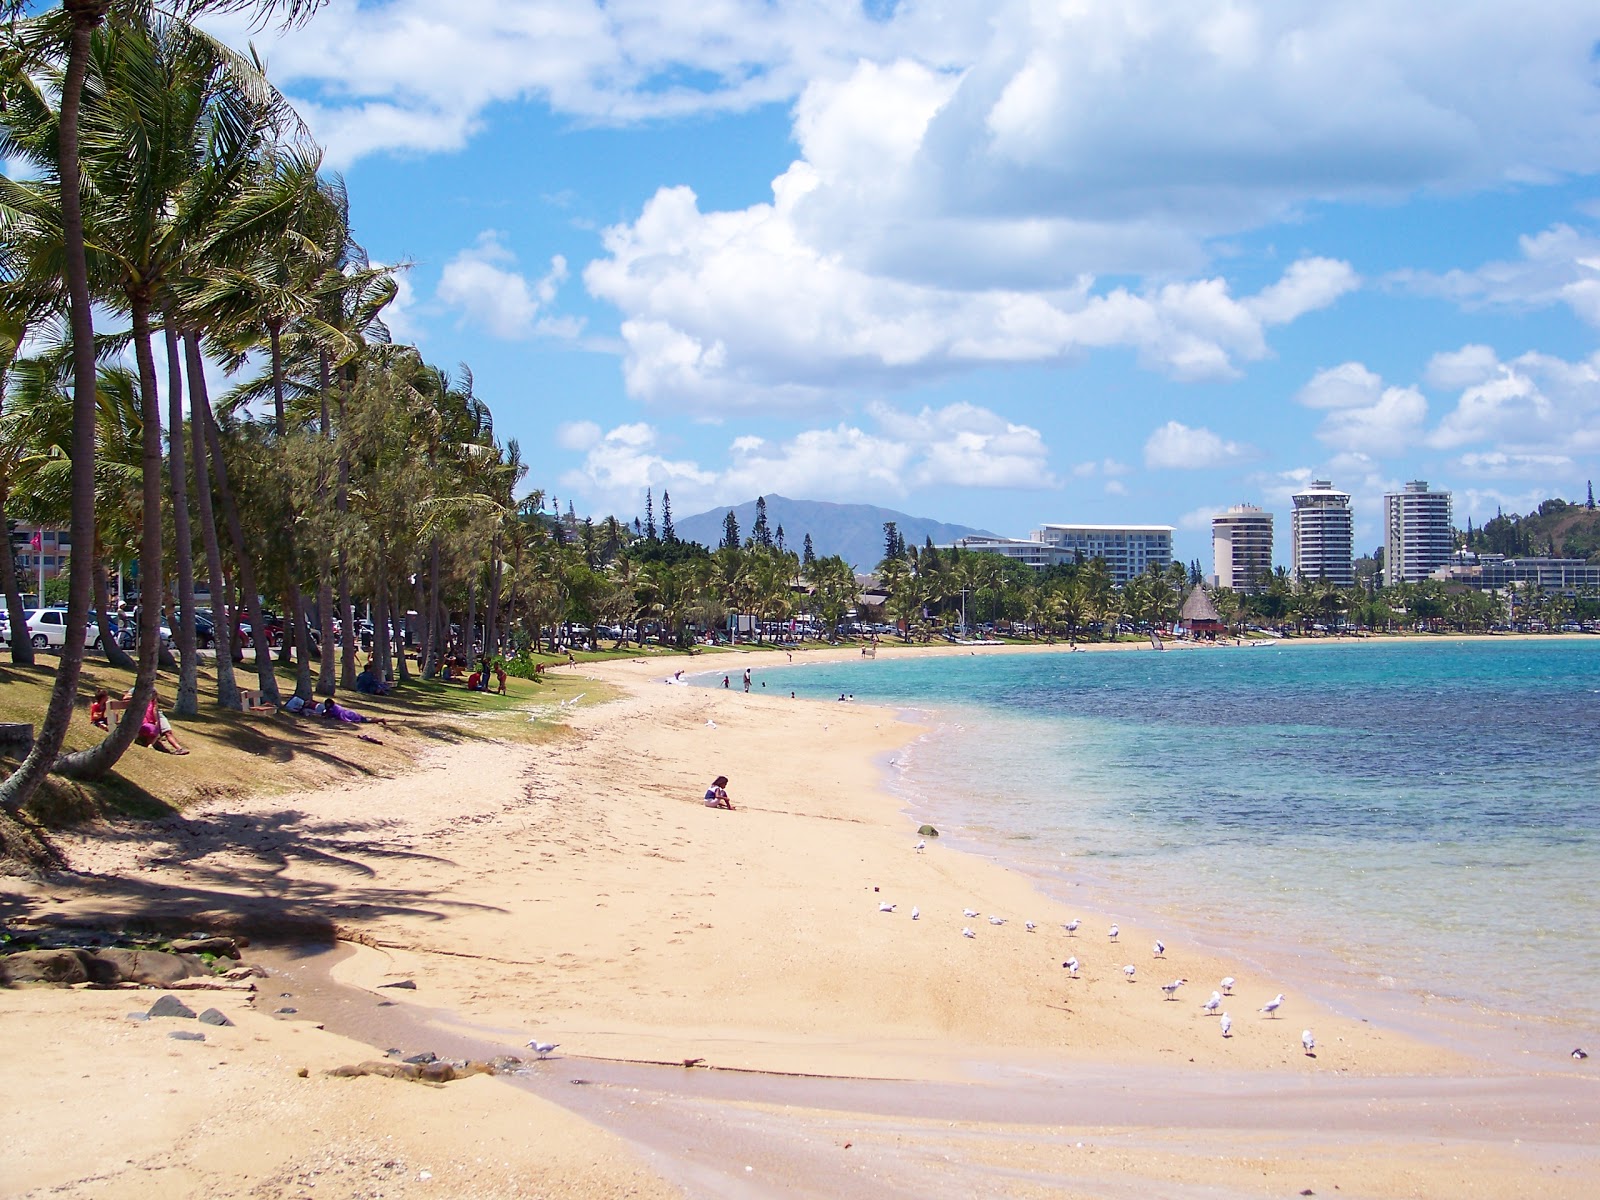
<point>1418,537</point>
<point>1241,547</point>
<point>1127,549</point>
<point>1324,534</point>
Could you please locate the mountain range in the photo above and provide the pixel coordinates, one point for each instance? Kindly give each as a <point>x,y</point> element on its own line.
<point>852,531</point>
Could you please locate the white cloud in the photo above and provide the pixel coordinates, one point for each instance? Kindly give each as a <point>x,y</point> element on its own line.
<point>481,283</point>
<point>1175,446</point>
<point>1363,415</point>
<point>578,435</point>
<point>960,445</point>
<point>1559,266</point>
<point>1108,467</point>
<point>698,292</point>
<point>1534,405</point>
<point>1498,464</point>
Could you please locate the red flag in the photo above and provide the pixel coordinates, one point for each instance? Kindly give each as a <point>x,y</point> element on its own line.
<point>37,541</point>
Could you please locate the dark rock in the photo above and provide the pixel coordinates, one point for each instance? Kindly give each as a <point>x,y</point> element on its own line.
<point>187,1035</point>
<point>154,968</point>
<point>927,831</point>
<point>221,947</point>
<point>170,1006</point>
<point>409,984</point>
<point>427,1056</point>
<point>503,1064</point>
<point>438,1072</point>
<point>385,1003</point>
<point>45,966</point>
<point>285,1011</point>
<point>214,1016</point>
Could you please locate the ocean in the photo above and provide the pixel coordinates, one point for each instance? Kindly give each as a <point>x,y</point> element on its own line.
<point>1416,817</point>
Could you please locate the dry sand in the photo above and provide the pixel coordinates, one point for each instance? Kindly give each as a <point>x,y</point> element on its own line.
<point>581,892</point>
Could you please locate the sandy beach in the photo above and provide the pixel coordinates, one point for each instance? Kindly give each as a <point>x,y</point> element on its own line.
<point>582,893</point>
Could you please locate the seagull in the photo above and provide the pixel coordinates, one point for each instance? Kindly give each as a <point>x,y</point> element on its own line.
<point>1072,925</point>
<point>915,912</point>
<point>967,932</point>
<point>921,846</point>
<point>885,908</point>
<point>1309,1042</point>
<point>711,724</point>
<point>542,1049</point>
<point>994,920</point>
<point>1212,1004</point>
<point>969,912</point>
<point>1160,947</point>
<point>1271,1006</point>
<point>1171,989</point>
<point>1129,970</point>
<point>1580,1054</point>
<point>1227,986</point>
<point>1029,926</point>
<point>1113,933</point>
<point>1072,965</point>
<point>1227,1025</point>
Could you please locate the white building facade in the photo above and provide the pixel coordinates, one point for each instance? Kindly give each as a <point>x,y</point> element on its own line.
<point>1418,536</point>
<point>1241,547</point>
<point>1323,530</point>
<point>1128,550</point>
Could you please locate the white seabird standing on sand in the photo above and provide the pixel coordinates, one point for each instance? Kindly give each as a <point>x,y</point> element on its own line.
<point>1171,989</point>
<point>993,920</point>
<point>967,932</point>
<point>1071,965</point>
<point>1129,971</point>
<point>916,912</point>
<point>542,1049</point>
<point>921,846</point>
<point>1072,925</point>
<point>1227,1025</point>
<point>1029,926</point>
<point>1271,1006</point>
<point>1160,948</point>
<point>969,912</point>
<point>885,908</point>
<point>1213,1004</point>
<point>1112,933</point>
<point>1309,1042</point>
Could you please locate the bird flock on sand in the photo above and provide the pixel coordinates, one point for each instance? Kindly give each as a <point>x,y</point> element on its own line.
<point>1212,1006</point>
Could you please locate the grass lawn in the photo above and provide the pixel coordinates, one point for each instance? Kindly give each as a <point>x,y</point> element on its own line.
<point>237,753</point>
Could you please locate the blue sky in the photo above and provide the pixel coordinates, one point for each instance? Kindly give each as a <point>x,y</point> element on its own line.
<point>999,263</point>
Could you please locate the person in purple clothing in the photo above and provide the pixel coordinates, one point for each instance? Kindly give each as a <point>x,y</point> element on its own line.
<point>335,711</point>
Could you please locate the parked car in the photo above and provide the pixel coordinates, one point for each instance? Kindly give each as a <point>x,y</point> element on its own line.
<point>47,629</point>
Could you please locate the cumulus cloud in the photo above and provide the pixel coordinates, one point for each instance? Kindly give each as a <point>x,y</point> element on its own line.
<point>960,445</point>
<point>1175,446</point>
<point>1364,416</point>
<point>1560,266</point>
<point>482,283</point>
<point>699,292</point>
<point>1534,404</point>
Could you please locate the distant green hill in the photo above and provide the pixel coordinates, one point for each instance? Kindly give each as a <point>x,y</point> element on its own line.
<point>1558,529</point>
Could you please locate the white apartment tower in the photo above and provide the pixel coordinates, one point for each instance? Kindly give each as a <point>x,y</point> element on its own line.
<point>1324,534</point>
<point>1129,550</point>
<point>1417,534</point>
<point>1241,547</point>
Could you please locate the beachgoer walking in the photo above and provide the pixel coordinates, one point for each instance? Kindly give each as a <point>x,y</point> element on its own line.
<point>724,681</point>
<point>747,679</point>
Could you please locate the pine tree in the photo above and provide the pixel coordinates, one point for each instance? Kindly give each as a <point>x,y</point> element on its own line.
<point>759,533</point>
<point>778,539</point>
<point>649,516</point>
<point>669,535</point>
<point>893,547</point>
<point>808,558</point>
<point>1591,495</point>
<point>730,532</point>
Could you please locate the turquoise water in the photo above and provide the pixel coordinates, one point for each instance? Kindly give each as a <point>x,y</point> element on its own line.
<point>1419,816</point>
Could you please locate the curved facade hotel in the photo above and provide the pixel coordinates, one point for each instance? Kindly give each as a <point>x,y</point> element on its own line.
<point>1417,535</point>
<point>1241,547</point>
<point>1324,534</point>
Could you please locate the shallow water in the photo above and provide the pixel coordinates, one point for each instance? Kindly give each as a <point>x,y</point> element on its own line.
<point>1421,813</point>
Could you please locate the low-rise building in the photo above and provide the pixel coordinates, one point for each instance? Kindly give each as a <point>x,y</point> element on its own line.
<point>1495,572</point>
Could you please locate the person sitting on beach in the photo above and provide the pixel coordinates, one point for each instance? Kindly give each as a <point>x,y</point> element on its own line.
<point>335,711</point>
<point>716,797</point>
<point>97,709</point>
<point>369,683</point>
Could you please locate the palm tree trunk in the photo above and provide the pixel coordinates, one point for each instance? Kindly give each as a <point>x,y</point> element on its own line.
<point>492,608</point>
<point>115,654</point>
<point>380,614</point>
<point>24,781</point>
<point>302,640</point>
<point>341,505</point>
<point>221,620</point>
<point>470,629</point>
<point>21,647</point>
<point>432,652</point>
<point>325,682</point>
<point>186,702</point>
<point>97,761</point>
<point>266,679</point>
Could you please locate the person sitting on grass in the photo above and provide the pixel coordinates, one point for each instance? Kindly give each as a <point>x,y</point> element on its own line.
<point>369,683</point>
<point>473,681</point>
<point>155,731</point>
<point>97,709</point>
<point>335,711</point>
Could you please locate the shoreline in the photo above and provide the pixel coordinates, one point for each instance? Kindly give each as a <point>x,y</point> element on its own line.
<point>580,892</point>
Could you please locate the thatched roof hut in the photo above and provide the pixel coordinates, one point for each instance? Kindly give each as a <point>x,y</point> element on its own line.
<point>1198,614</point>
